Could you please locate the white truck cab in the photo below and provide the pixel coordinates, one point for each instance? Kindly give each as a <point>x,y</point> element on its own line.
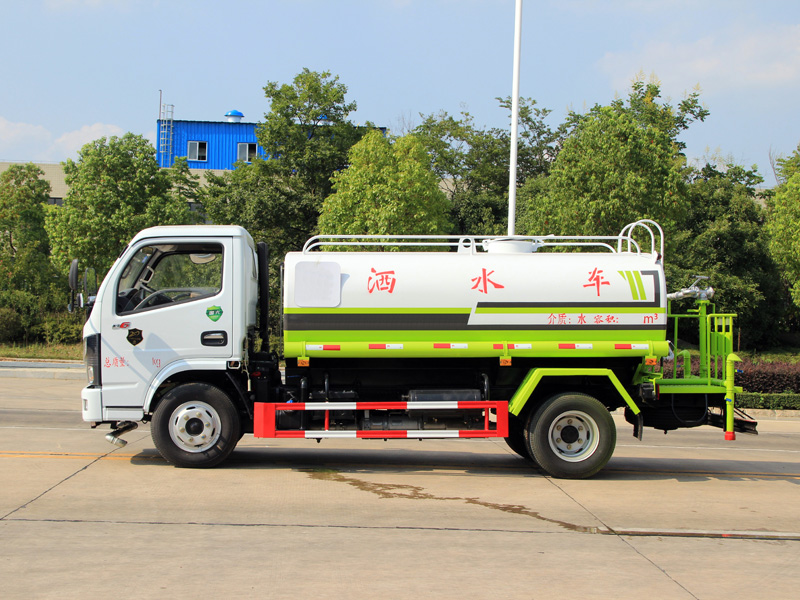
<point>178,299</point>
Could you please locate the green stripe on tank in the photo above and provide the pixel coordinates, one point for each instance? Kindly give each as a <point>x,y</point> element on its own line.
<point>377,311</point>
<point>332,347</point>
<point>640,285</point>
<point>627,276</point>
<point>607,334</point>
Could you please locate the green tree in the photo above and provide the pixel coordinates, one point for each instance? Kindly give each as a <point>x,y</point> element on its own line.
<point>268,202</point>
<point>306,135</point>
<point>618,164</point>
<point>783,226</point>
<point>115,189</point>
<point>786,167</point>
<point>23,241</point>
<point>473,162</point>
<point>31,293</point>
<point>721,235</point>
<point>387,189</point>
<point>307,132</point>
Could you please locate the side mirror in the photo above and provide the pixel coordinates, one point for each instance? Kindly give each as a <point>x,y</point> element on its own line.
<point>73,275</point>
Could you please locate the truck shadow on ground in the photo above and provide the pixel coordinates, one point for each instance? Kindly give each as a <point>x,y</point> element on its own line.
<point>381,460</point>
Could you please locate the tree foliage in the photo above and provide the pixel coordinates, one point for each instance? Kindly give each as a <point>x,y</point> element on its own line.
<point>786,167</point>
<point>473,162</point>
<point>307,135</point>
<point>307,132</point>
<point>267,202</point>
<point>24,247</point>
<point>784,224</point>
<point>30,289</point>
<point>721,235</point>
<point>115,189</point>
<point>387,189</point>
<point>619,163</point>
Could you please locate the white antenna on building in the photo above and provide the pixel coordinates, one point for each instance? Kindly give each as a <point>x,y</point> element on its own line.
<point>512,169</point>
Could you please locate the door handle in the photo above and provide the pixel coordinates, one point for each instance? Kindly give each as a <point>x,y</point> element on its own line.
<point>214,338</point>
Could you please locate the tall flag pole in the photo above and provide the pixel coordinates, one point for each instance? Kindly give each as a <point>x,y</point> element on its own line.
<point>512,169</point>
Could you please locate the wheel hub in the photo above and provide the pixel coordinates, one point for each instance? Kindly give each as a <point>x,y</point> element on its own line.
<point>574,436</point>
<point>194,426</point>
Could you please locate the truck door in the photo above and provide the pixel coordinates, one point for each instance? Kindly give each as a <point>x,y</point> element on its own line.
<point>172,300</point>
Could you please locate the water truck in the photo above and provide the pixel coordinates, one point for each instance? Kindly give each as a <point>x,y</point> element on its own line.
<point>535,339</point>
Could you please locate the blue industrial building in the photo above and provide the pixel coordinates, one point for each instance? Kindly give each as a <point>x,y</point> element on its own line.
<point>206,144</point>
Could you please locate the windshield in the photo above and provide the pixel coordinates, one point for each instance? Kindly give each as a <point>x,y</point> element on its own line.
<point>134,268</point>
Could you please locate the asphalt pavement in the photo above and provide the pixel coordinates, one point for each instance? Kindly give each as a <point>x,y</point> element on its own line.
<point>686,515</point>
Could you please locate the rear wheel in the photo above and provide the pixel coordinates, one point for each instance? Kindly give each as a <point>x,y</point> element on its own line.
<point>516,436</point>
<point>195,425</point>
<point>571,436</point>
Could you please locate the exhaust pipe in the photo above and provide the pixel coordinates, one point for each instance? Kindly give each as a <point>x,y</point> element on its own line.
<point>122,428</point>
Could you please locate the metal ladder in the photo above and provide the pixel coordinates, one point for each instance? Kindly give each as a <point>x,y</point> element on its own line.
<point>165,129</point>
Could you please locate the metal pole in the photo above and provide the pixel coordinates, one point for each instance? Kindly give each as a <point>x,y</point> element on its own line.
<point>512,169</point>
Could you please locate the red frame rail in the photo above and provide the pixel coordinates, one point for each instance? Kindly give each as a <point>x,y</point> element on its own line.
<point>265,416</point>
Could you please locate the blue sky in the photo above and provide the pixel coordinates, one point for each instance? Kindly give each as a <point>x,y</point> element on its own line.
<point>76,70</point>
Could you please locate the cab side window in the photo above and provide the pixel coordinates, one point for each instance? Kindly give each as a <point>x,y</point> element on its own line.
<point>165,275</point>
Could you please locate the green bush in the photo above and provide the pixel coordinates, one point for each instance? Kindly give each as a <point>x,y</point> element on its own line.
<point>62,328</point>
<point>10,325</point>
<point>769,377</point>
<point>747,400</point>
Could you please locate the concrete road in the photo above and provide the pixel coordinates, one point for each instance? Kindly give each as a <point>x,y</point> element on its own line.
<point>685,515</point>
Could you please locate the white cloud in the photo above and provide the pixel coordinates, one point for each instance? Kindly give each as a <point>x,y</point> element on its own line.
<point>22,141</point>
<point>735,59</point>
<point>68,144</point>
<point>27,142</point>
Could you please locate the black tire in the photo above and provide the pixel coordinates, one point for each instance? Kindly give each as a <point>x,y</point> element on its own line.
<point>516,436</point>
<point>195,425</point>
<point>571,436</point>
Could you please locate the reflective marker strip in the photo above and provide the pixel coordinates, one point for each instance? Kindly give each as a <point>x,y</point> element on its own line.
<point>631,346</point>
<point>392,433</point>
<point>386,346</point>
<point>575,346</point>
<point>265,423</point>
<point>451,346</point>
<point>520,346</point>
<point>498,346</point>
<point>317,347</point>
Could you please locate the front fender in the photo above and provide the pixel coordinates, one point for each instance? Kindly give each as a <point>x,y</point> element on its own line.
<point>181,366</point>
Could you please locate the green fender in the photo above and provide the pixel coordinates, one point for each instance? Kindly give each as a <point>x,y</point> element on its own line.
<point>535,376</point>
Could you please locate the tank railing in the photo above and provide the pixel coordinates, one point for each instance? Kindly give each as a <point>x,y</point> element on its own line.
<point>473,244</point>
<point>626,235</point>
<point>584,245</point>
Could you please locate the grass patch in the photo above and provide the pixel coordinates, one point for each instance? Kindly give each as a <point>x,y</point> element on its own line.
<point>787,355</point>
<point>42,351</point>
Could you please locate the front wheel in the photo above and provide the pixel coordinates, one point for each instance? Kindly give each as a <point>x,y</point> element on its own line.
<point>195,425</point>
<point>571,436</point>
